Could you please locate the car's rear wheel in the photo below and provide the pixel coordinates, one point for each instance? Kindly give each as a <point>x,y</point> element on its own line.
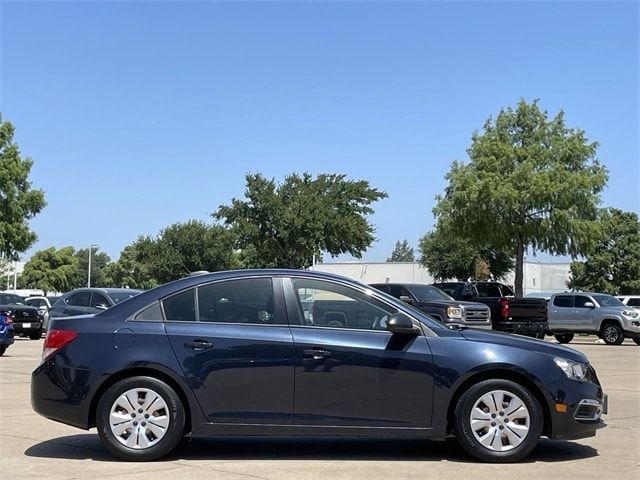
<point>3,348</point>
<point>498,421</point>
<point>612,334</point>
<point>140,419</point>
<point>564,337</point>
<point>636,340</point>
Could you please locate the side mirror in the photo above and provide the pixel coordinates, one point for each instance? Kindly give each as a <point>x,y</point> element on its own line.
<point>406,299</point>
<point>101,306</point>
<point>589,305</point>
<point>399,323</point>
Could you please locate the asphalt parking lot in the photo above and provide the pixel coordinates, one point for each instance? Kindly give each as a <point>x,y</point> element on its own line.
<point>33,447</point>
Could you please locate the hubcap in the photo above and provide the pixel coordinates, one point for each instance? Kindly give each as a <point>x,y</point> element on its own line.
<point>139,418</point>
<point>611,334</point>
<point>499,420</point>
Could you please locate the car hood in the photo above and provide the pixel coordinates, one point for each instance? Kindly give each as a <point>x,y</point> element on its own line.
<point>525,343</point>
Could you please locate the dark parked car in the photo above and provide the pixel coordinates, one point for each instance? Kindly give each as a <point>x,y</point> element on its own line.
<point>6,331</point>
<point>235,353</point>
<point>83,301</point>
<point>439,305</point>
<point>26,320</point>
<point>526,316</point>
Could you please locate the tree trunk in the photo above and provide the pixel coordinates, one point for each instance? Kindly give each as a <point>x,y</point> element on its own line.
<point>519,280</point>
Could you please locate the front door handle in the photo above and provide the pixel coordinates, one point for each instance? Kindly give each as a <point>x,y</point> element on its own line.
<point>315,354</point>
<point>199,345</point>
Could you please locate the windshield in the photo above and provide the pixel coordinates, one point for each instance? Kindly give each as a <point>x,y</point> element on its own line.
<point>607,301</point>
<point>426,293</point>
<point>9,298</point>
<point>119,297</point>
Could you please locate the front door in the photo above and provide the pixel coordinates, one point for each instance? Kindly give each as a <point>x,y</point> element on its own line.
<point>349,370</point>
<point>232,340</point>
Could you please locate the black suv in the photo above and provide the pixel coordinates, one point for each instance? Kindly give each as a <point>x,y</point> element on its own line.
<point>26,320</point>
<point>439,305</point>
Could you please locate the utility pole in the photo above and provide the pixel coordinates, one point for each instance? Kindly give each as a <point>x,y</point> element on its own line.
<point>91,247</point>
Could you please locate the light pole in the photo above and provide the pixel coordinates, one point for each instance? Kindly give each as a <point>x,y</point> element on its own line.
<point>91,247</point>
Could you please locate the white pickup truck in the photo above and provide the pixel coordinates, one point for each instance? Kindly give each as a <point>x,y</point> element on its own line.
<point>594,313</point>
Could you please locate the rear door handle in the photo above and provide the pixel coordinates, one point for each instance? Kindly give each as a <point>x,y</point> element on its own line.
<point>315,354</point>
<point>199,345</point>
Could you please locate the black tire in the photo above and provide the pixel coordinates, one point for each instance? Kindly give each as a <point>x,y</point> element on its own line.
<point>564,337</point>
<point>35,334</point>
<point>612,333</point>
<point>465,434</point>
<point>174,431</point>
<point>3,348</point>
<point>636,340</point>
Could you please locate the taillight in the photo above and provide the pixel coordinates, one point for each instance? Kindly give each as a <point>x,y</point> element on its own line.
<point>504,308</point>
<point>56,339</point>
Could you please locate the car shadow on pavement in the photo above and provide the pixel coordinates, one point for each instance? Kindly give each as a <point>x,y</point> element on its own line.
<point>88,446</point>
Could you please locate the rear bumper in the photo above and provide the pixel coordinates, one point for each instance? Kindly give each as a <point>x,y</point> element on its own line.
<point>522,327</point>
<point>21,327</point>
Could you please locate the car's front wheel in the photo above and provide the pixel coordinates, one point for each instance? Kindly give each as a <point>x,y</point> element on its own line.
<point>612,334</point>
<point>498,421</point>
<point>140,419</point>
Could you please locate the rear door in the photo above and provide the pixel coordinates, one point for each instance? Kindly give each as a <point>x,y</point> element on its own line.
<point>233,342</point>
<point>582,316</point>
<point>561,312</point>
<point>358,375</point>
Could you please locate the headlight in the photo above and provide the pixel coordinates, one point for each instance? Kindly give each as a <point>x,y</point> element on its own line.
<point>573,370</point>
<point>454,312</point>
<point>630,313</point>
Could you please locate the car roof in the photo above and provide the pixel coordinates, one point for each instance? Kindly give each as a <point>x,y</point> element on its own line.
<point>147,297</point>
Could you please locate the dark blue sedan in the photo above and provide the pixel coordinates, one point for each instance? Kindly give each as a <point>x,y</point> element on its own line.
<point>288,352</point>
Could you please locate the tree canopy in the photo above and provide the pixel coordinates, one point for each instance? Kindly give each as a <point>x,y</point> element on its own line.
<point>531,183</point>
<point>613,264</point>
<point>177,251</point>
<point>50,270</point>
<point>19,202</point>
<point>99,261</point>
<point>447,255</point>
<point>285,225</point>
<point>402,252</point>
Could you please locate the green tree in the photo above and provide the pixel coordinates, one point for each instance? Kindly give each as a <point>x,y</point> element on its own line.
<point>177,251</point>
<point>99,261</point>
<point>531,183</point>
<point>285,225</point>
<point>50,270</point>
<point>402,252</point>
<point>613,265</point>
<point>447,255</point>
<point>19,202</point>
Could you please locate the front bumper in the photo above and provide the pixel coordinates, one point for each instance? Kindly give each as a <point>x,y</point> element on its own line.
<point>578,408</point>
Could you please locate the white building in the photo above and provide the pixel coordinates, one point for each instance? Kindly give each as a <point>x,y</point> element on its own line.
<point>539,277</point>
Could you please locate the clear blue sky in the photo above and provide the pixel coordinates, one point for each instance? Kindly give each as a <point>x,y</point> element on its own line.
<point>138,115</point>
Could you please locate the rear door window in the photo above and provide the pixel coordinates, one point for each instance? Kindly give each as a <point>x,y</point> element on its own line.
<point>248,300</point>
<point>180,307</point>
<point>79,299</point>
<point>563,301</point>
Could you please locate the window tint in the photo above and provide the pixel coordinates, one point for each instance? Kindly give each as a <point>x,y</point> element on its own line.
<point>327,304</point>
<point>563,301</point>
<point>152,312</point>
<point>98,299</point>
<point>247,300</point>
<point>488,290</point>
<point>180,307</point>
<point>634,302</point>
<point>580,300</point>
<point>382,287</point>
<point>79,299</point>
<point>447,288</point>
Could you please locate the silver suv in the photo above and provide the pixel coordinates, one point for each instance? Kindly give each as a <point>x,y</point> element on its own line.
<point>594,313</point>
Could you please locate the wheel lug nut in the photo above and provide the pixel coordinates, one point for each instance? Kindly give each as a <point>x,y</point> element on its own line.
<point>501,427</point>
<point>506,420</point>
<point>493,415</point>
<point>135,424</point>
<point>144,424</point>
<point>146,416</point>
<point>501,414</point>
<point>133,415</point>
<point>140,411</point>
